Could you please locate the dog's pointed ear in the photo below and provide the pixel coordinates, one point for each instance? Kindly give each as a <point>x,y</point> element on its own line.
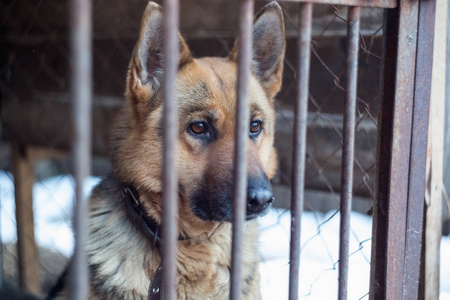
<point>146,68</point>
<point>269,45</point>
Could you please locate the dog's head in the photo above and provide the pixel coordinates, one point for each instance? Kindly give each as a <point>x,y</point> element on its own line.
<point>206,95</point>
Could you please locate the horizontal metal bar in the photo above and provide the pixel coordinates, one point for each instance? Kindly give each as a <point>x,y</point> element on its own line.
<point>367,3</point>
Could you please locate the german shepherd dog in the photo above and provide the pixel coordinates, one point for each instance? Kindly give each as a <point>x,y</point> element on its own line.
<point>125,208</point>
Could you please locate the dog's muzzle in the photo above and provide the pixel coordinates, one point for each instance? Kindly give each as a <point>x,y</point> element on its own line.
<point>213,201</point>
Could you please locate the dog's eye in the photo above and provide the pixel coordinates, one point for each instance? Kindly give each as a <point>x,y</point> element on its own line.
<point>198,127</point>
<point>255,127</point>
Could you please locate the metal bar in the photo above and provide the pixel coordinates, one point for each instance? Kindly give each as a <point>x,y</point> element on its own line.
<point>394,142</point>
<point>400,149</point>
<point>299,144</point>
<point>81,48</point>
<point>348,146</point>
<point>170,180</point>
<point>384,141</point>
<point>364,3</point>
<point>241,145</point>
<point>419,137</point>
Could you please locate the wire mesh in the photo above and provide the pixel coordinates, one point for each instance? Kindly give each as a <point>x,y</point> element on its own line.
<point>324,147</point>
<point>34,74</point>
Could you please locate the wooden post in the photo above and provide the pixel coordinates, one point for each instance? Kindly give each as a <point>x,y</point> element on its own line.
<point>433,194</point>
<point>26,246</point>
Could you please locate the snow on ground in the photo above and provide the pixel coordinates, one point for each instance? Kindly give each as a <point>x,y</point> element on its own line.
<point>319,256</point>
<point>53,199</point>
<point>52,202</point>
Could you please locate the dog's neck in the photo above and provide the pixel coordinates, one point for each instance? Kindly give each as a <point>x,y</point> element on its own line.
<point>146,218</point>
<point>139,218</point>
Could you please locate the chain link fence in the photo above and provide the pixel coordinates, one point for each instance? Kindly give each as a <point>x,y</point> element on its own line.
<point>34,79</point>
<point>320,232</point>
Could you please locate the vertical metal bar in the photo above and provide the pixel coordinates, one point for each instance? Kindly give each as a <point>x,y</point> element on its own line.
<point>240,153</point>
<point>394,142</point>
<point>81,48</point>
<point>299,144</point>
<point>384,140</point>
<point>419,137</point>
<point>348,146</point>
<point>170,190</point>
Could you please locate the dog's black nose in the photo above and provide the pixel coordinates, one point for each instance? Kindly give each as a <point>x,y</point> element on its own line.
<point>258,199</point>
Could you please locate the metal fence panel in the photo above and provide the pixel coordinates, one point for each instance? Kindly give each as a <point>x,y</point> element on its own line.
<point>402,141</point>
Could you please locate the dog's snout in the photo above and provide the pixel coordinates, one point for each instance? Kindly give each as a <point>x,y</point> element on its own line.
<point>259,196</point>
<point>258,199</point>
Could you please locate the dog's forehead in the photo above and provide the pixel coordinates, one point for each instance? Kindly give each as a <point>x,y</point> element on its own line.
<point>207,77</point>
<point>213,80</point>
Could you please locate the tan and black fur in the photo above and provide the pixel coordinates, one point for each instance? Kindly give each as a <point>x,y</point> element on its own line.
<point>121,260</point>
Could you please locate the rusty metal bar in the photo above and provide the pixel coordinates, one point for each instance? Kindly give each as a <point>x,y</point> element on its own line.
<point>366,3</point>
<point>299,144</point>
<point>81,53</point>
<point>240,153</point>
<point>348,145</point>
<point>170,179</point>
<point>394,140</point>
<point>419,137</point>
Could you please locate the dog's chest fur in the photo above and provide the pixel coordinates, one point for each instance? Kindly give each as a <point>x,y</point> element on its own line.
<point>122,260</point>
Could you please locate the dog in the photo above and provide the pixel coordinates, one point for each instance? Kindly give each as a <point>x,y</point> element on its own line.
<point>123,245</point>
